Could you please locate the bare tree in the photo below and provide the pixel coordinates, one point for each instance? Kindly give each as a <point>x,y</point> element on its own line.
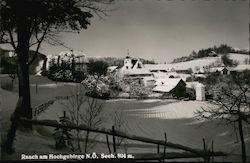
<point>87,111</point>
<point>120,124</point>
<point>232,105</point>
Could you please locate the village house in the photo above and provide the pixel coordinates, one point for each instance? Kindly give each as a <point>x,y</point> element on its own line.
<point>168,71</point>
<point>78,59</point>
<point>8,55</point>
<point>133,68</point>
<point>221,70</point>
<point>230,70</point>
<point>174,87</point>
<point>81,62</point>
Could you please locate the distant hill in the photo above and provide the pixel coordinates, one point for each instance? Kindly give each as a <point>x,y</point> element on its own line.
<point>215,51</point>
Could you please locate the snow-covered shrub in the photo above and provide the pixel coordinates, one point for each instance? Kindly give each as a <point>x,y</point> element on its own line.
<point>137,89</point>
<point>97,86</point>
<point>63,136</point>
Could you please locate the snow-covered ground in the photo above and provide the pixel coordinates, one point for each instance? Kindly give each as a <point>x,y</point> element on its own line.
<point>193,64</point>
<point>177,110</point>
<point>196,63</point>
<point>239,57</point>
<point>147,118</point>
<point>151,118</point>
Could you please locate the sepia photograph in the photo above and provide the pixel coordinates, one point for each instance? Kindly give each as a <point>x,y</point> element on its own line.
<point>125,80</point>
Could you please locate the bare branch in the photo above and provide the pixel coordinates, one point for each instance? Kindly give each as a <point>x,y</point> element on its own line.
<point>12,40</point>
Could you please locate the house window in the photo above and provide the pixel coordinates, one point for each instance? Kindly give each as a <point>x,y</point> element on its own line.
<point>126,67</point>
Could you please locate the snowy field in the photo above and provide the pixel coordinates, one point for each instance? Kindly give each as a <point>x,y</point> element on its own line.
<point>239,57</point>
<point>147,118</point>
<point>152,118</point>
<point>196,63</point>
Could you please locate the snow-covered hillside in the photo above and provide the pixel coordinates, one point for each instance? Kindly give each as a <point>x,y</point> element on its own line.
<point>202,62</point>
<point>197,63</point>
<point>239,57</point>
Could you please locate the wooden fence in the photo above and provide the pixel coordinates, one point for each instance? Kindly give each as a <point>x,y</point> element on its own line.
<point>205,154</point>
<point>44,106</point>
<point>188,152</point>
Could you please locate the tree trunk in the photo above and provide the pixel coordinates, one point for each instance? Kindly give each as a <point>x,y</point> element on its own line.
<point>86,142</point>
<point>23,69</point>
<point>78,140</point>
<point>243,148</point>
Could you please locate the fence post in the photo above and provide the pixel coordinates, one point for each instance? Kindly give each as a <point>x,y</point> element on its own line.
<point>164,154</point>
<point>64,114</point>
<point>36,88</point>
<point>158,150</point>
<point>212,151</point>
<point>114,144</point>
<point>206,158</point>
<point>107,139</point>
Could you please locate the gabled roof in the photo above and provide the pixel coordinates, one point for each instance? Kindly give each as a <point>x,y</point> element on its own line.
<point>156,66</point>
<point>112,68</point>
<point>167,84</point>
<point>134,62</point>
<point>214,69</point>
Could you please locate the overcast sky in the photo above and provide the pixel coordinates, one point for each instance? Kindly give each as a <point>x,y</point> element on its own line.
<point>162,29</point>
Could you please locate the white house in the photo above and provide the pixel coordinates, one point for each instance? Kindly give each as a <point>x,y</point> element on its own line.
<point>133,68</point>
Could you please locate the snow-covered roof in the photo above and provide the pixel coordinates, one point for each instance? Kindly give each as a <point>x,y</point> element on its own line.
<point>200,75</point>
<point>156,66</point>
<point>160,74</point>
<point>147,78</point>
<point>167,81</point>
<point>112,68</point>
<point>214,69</point>
<point>163,88</point>
<point>138,71</point>
<point>166,84</point>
